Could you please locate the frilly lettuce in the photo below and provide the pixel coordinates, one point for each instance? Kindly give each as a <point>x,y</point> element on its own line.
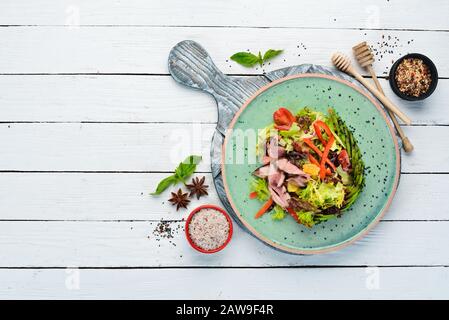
<point>306,218</point>
<point>260,187</point>
<point>289,136</point>
<point>323,194</point>
<point>309,218</point>
<point>277,213</point>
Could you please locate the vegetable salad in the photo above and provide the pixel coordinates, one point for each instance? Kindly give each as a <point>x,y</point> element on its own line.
<point>312,167</point>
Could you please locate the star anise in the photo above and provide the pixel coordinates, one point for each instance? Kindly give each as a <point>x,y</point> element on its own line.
<point>198,187</point>
<point>179,199</point>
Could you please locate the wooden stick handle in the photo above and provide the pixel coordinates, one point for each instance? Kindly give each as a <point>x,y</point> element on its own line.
<point>406,144</point>
<point>385,101</point>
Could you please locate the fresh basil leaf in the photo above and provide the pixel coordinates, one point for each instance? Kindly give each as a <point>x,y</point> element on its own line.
<point>192,160</point>
<point>270,54</point>
<point>249,59</point>
<point>164,184</point>
<point>187,167</point>
<point>182,172</point>
<point>245,59</point>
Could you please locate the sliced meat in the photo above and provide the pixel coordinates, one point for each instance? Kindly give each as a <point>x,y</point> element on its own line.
<point>262,172</point>
<point>281,180</point>
<point>266,171</point>
<point>279,195</point>
<point>266,160</point>
<point>299,180</point>
<point>274,150</point>
<point>276,179</point>
<point>288,167</point>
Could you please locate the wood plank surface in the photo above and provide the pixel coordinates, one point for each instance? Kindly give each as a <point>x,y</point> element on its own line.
<point>283,13</point>
<point>146,99</point>
<point>144,50</point>
<point>279,283</point>
<point>90,121</point>
<point>133,244</point>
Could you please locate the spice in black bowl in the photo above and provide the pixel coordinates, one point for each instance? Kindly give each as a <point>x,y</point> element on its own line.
<point>413,77</point>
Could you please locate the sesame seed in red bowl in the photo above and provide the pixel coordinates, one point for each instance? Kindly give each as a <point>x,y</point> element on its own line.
<point>208,229</point>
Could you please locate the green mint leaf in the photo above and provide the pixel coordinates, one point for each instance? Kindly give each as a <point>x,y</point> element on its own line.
<point>246,59</point>
<point>164,184</point>
<point>260,59</point>
<point>270,54</point>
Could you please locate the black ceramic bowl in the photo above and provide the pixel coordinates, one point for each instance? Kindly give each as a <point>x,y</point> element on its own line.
<point>433,75</point>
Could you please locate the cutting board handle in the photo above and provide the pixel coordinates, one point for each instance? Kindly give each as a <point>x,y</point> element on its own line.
<point>192,66</point>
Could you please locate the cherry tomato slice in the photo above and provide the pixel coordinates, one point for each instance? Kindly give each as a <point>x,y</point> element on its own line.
<point>283,118</point>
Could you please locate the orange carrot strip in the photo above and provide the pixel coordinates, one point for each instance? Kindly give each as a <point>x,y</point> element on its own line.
<point>324,157</point>
<point>321,124</point>
<point>317,128</point>
<point>313,160</point>
<point>318,125</point>
<point>293,214</point>
<point>309,142</point>
<point>318,152</point>
<point>264,208</point>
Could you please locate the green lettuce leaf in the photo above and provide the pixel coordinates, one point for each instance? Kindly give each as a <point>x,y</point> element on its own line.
<point>289,136</point>
<point>277,213</point>
<point>260,187</point>
<point>306,218</point>
<point>323,194</point>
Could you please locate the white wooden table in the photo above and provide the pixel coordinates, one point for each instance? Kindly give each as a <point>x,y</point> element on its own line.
<point>88,111</point>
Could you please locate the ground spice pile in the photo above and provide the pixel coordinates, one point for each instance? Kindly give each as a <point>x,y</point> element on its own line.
<point>413,77</point>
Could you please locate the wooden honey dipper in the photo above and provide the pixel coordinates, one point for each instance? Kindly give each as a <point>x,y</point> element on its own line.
<point>365,58</point>
<point>344,64</point>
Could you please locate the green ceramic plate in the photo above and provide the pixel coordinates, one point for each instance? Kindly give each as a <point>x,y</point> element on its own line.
<point>374,135</point>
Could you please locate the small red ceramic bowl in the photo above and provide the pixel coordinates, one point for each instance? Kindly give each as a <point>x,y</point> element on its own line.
<point>189,219</point>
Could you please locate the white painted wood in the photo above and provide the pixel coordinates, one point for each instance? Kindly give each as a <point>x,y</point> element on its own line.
<point>154,147</point>
<point>102,98</point>
<point>128,147</point>
<point>146,99</point>
<point>75,196</point>
<point>132,244</point>
<point>314,283</point>
<point>130,37</point>
<point>145,49</point>
<point>412,14</point>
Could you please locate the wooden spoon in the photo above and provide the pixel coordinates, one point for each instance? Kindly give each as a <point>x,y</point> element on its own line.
<point>344,64</point>
<point>364,56</point>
